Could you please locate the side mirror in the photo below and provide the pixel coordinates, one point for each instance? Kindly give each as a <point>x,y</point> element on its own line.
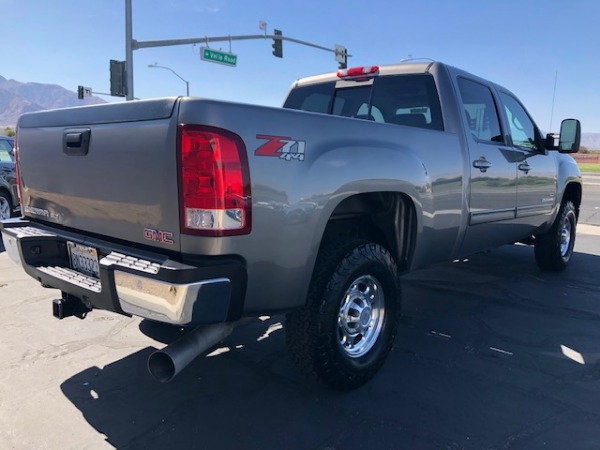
<point>550,141</point>
<point>570,136</point>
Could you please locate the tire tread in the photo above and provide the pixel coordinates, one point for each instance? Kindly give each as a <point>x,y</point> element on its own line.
<point>547,246</point>
<point>309,341</point>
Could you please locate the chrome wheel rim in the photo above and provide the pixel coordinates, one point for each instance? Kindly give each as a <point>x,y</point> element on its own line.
<point>4,208</point>
<point>565,237</point>
<point>360,318</point>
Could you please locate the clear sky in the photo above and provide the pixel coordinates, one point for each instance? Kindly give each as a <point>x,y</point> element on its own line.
<point>520,44</point>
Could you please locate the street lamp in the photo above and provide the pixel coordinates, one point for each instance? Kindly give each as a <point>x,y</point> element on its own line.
<point>187,84</point>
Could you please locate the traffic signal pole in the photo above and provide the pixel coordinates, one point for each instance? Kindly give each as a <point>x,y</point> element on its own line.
<point>245,37</point>
<point>132,44</point>
<point>129,50</point>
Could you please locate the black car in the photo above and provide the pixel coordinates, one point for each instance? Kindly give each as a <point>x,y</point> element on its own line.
<point>9,199</point>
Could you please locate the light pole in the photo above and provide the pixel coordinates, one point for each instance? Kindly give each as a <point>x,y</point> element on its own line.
<point>187,84</point>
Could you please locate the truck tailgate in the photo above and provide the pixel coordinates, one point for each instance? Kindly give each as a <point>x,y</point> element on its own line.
<point>108,169</point>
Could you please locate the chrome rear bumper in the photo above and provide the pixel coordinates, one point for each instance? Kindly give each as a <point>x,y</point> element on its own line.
<point>131,281</point>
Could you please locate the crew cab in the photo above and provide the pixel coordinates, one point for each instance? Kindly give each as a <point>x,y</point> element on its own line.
<point>203,213</point>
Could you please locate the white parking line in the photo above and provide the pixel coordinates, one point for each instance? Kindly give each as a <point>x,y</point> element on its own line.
<point>499,350</point>
<point>447,336</point>
<point>572,354</point>
<point>583,228</point>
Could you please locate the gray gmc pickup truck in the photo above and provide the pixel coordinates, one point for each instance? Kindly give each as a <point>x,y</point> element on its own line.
<point>203,213</point>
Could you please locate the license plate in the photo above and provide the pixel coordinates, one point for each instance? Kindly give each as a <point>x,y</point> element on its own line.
<point>84,259</point>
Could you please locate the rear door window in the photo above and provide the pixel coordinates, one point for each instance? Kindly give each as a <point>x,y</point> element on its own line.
<point>480,111</point>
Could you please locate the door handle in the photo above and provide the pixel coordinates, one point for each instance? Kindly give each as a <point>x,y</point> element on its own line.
<point>482,164</point>
<point>525,167</point>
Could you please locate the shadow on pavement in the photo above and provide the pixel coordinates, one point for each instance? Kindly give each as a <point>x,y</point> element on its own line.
<point>479,362</point>
<point>162,332</point>
<point>229,400</point>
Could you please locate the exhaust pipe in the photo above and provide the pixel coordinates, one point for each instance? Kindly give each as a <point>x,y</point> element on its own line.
<point>165,364</point>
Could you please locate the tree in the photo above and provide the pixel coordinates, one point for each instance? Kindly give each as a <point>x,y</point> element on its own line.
<point>8,131</point>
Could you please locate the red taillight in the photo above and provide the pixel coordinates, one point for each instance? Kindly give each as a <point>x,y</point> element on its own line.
<point>214,184</point>
<point>17,171</point>
<point>358,72</point>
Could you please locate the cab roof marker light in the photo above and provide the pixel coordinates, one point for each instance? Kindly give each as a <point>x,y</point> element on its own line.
<point>358,72</point>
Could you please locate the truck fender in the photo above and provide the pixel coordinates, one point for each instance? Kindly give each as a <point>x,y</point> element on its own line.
<point>342,179</point>
<point>569,182</point>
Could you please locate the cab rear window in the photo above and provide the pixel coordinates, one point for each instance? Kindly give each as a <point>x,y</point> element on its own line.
<point>410,100</point>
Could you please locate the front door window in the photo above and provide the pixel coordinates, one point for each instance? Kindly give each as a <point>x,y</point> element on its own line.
<point>520,126</point>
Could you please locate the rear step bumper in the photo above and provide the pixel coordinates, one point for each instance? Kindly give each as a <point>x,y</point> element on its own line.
<point>131,281</point>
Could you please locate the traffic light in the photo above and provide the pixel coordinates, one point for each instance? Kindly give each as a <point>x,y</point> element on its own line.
<point>277,45</point>
<point>118,78</point>
<point>341,56</point>
<point>80,92</point>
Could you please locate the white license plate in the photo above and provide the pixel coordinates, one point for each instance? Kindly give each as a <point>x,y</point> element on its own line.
<point>84,259</point>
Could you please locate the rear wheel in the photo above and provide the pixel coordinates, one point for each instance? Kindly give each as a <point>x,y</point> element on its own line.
<point>554,249</point>
<point>5,206</point>
<point>346,330</point>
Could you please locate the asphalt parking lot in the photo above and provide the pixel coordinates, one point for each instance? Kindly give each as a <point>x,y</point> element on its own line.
<point>492,353</point>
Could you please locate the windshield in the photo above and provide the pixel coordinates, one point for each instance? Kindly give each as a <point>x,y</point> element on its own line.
<point>6,150</point>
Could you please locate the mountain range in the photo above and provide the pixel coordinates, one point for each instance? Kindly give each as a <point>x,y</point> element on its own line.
<point>591,140</point>
<point>17,98</point>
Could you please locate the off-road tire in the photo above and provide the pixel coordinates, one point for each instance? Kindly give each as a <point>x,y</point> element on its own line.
<point>554,249</point>
<point>347,276</point>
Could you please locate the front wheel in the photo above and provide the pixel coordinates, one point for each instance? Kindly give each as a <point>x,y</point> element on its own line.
<point>554,249</point>
<point>346,330</point>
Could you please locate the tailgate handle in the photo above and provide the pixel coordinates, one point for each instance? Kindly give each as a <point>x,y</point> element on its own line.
<point>76,141</point>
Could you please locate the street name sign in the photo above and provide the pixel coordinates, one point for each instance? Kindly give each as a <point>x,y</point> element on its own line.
<point>218,56</point>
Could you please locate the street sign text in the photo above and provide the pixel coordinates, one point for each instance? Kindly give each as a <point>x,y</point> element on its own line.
<point>218,56</point>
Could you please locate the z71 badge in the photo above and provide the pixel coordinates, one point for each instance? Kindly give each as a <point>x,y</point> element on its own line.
<point>281,147</point>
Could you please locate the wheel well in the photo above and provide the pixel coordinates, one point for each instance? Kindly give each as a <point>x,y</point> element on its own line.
<point>386,218</point>
<point>573,193</point>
